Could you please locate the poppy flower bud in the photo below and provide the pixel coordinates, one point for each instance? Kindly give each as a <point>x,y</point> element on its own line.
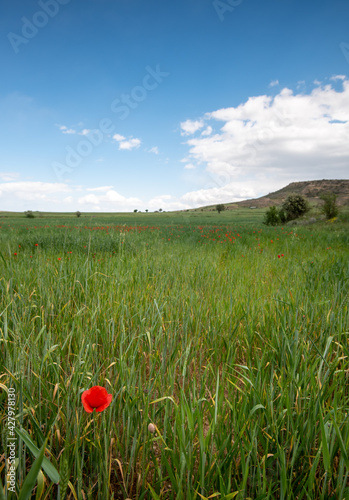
<point>151,428</point>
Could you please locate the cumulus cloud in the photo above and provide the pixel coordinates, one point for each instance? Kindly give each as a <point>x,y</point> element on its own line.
<point>274,83</point>
<point>118,137</point>
<point>189,127</point>
<point>130,144</point>
<point>127,144</point>
<point>289,137</point>
<point>110,200</point>
<point>60,197</point>
<point>167,202</point>
<point>20,196</point>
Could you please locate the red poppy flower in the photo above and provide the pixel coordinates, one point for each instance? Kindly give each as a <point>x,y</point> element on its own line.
<point>96,398</point>
<point>15,253</point>
<point>36,244</point>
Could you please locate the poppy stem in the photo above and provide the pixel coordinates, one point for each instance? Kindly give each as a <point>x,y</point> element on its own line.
<point>94,425</point>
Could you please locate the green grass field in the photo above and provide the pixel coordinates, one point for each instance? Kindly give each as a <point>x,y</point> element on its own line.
<point>229,336</point>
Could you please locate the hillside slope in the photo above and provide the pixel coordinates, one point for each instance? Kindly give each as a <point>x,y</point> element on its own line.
<point>311,190</point>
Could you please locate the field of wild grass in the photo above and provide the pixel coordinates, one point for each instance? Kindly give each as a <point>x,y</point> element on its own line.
<point>230,337</point>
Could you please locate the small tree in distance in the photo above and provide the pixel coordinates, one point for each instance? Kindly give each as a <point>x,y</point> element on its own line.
<point>330,207</point>
<point>29,214</point>
<point>77,213</point>
<point>295,206</point>
<point>220,208</point>
<point>271,216</point>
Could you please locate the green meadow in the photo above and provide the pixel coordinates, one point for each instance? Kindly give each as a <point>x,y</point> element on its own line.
<point>230,337</point>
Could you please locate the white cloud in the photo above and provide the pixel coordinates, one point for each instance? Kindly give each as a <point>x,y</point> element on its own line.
<point>338,77</point>
<point>68,199</point>
<point>130,144</point>
<point>101,188</point>
<point>166,202</point>
<point>154,150</point>
<point>66,130</point>
<point>273,83</point>
<point>289,136</point>
<point>73,130</point>
<point>127,144</point>
<point>111,200</point>
<point>20,196</point>
<point>118,137</point>
<point>9,176</point>
<point>89,199</point>
<point>231,192</point>
<point>189,127</point>
<point>58,197</point>
<point>33,189</point>
<point>189,166</point>
<point>207,131</point>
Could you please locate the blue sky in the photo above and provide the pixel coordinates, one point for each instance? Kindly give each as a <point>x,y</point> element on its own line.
<point>112,105</point>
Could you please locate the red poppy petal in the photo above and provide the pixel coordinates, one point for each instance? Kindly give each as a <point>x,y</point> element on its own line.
<point>86,406</point>
<point>97,396</point>
<point>106,404</point>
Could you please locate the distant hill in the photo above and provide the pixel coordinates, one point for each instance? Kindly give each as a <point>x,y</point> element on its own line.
<point>311,190</point>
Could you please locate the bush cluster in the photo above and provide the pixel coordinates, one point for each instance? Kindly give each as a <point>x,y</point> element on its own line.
<point>293,207</point>
<point>329,208</point>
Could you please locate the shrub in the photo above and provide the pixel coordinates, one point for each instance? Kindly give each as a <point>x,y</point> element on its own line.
<point>330,207</point>
<point>282,215</point>
<point>78,214</point>
<point>29,214</point>
<point>295,206</point>
<point>220,208</point>
<point>272,216</point>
